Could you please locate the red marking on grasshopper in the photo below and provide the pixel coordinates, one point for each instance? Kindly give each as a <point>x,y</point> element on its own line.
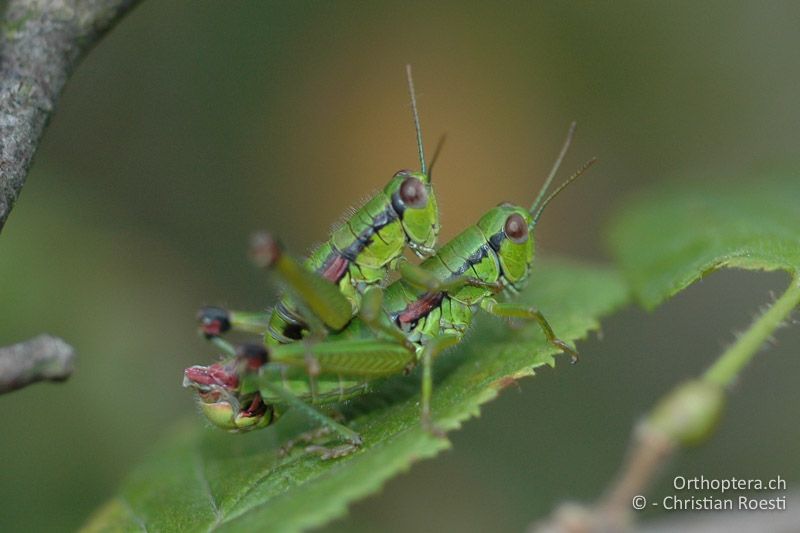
<point>256,408</point>
<point>336,268</point>
<point>215,374</point>
<point>419,308</point>
<point>212,328</point>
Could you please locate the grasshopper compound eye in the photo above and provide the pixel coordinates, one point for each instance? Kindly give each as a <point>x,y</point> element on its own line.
<point>413,193</point>
<point>516,228</point>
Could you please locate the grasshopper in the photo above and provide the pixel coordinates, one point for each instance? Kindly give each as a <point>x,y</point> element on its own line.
<point>325,292</point>
<point>428,310</point>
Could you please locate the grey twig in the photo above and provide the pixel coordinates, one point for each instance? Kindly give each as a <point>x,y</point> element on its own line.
<point>41,42</point>
<point>42,358</point>
<point>613,513</point>
<point>687,416</point>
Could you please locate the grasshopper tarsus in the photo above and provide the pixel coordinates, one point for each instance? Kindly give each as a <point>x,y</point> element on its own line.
<point>565,348</point>
<point>431,427</point>
<point>306,437</point>
<point>335,452</point>
<point>264,249</point>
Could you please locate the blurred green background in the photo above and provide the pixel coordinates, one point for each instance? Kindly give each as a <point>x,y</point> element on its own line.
<point>193,124</point>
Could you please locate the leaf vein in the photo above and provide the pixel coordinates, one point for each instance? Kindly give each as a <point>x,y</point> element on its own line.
<point>136,518</point>
<point>200,473</point>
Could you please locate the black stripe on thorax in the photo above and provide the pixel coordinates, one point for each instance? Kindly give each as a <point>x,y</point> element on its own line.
<point>295,325</point>
<point>364,239</point>
<point>477,256</point>
<point>496,240</point>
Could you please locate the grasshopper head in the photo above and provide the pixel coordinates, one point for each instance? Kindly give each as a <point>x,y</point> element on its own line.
<point>413,198</point>
<point>222,403</point>
<point>412,195</point>
<point>507,228</point>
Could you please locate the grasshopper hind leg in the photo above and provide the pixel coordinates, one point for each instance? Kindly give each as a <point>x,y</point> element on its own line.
<point>318,441</point>
<point>214,321</point>
<point>328,426</point>
<point>432,348</point>
<point>335,452</point>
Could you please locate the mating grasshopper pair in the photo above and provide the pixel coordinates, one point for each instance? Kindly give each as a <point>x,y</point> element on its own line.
<point>339,328</point>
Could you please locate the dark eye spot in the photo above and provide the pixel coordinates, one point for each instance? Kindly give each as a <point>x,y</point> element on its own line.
<point>516,229</point>
<point>413,193</point>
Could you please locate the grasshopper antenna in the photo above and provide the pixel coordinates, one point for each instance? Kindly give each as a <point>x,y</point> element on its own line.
<point>560,188</point>
<point>556,165</point>
<point>435,157</point>
<point>413,94</point>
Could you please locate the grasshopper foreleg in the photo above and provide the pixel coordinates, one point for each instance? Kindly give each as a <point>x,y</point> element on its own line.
<point>373,315</point>
<point>512,310</point>
<point>423,279</point>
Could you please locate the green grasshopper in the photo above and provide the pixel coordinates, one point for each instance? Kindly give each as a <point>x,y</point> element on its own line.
<point>416,318</point>
<point>325,292</point>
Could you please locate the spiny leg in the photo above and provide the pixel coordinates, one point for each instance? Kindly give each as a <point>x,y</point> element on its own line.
<point>313,440</point>
<point>312,367</point>
<point>353,439</point>
<point>368,357</point>
<point>432,348</point>
<point>372,358</point>
<point>513,310</point>
<point>334,452</point>
<point>307,437</point>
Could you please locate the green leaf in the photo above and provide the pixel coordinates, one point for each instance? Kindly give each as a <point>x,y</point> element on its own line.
<point>669,239</point>
<point>201,478</point>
